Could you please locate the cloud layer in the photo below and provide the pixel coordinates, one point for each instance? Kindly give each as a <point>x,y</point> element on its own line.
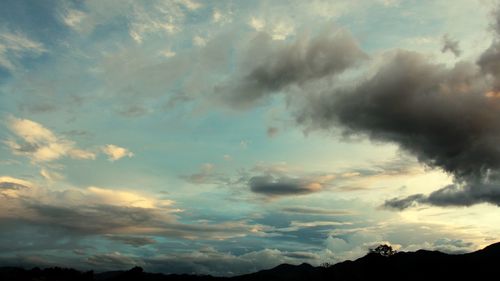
<point>101,211</point>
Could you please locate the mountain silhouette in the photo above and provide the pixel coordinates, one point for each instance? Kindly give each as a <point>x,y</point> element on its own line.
<point>419,265</point>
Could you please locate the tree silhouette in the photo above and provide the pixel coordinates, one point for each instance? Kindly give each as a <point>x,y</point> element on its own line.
<point>326,264</point>
<point>383,250</point>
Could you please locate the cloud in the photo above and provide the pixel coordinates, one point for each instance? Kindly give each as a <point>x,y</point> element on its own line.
<point>281,186</point>
<point>119,198</point>
<point>488,61</point>
<point>50,175</point>
<point>41,144</point>
<point>277,66</point>
<point>282,178</point>
<point>450,45</point>
<point>272,132</point>
<point>302,256</point>
<point>135,241</point>
<point>133,110</point>
<point>71,217</point>
<point>206,175</point>
<point>161,17</point>
<point>14,46</point>
<point>316,211</point>
<point>11,187</point>
<point>274,180</point>
<point>298,225</point>
<point>244,144</point>
<point>458,194</point>
<point>221,17</point>
<point>95,219</point>
<point>73,18</point>
<point>277,29</point>
<point>441,115</point>
<point>257,24</point>
<point>10,183</point>
<point>453,246</point>
<point>445,116</point>
<point>113,261</point>
<point>404,203</point>
<point>102,211</point>
<point>199,41</point>
<point>190,4</point>
<point>211,261</point>
<point>352,243</point>
<point>281,31</point>
<point>115,152</point>
<point>278,168</point>
<point>168,53</point>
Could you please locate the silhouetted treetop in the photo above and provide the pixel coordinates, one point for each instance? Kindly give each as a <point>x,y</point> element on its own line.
<point>383,250</point>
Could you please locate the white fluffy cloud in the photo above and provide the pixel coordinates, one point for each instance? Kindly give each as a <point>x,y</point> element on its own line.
<point>115,152</point>
<point>40,144</point>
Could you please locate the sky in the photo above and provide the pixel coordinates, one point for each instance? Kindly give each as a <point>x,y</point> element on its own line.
<point>225,137</point>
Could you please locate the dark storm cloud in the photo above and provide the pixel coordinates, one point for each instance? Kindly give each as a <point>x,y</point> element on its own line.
<point>281,186</point>
<point>444,116</point>
<point>465,194</point>
<point>489,63</point>
<point>404,203</point>
<point>441,115</point>
<point>290,64</point>
<point>450,45</point>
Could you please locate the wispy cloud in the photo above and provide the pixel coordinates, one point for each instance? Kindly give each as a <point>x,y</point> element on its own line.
<point>73,18</point>
<point>14,46</point>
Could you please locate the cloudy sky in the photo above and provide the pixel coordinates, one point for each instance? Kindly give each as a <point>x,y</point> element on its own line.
<point>224,137</point>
